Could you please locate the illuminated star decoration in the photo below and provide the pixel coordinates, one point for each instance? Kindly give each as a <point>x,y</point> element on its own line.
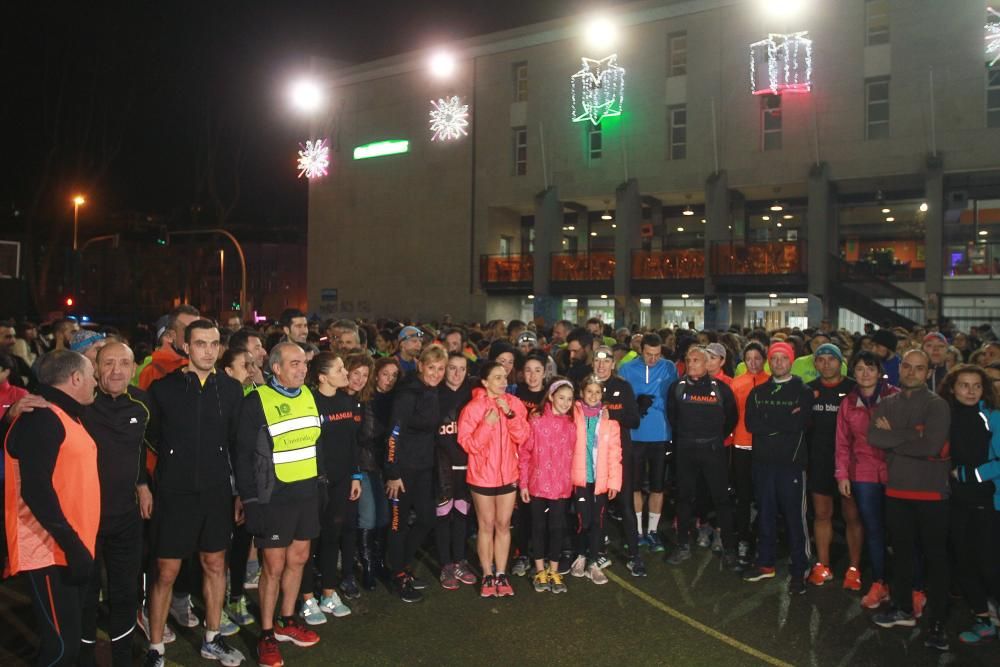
<point>598,90</point>
<point>449,118</point>
<point>314,159</point>
<point>993,36</point>
<point>785,61</point>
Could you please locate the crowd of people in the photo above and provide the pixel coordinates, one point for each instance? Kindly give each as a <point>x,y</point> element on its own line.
<point>310,461</point>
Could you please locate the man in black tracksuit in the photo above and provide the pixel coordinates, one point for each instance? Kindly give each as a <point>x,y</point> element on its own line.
<point>117,421</point>
<point>703,412</point>
<point>777,413</point>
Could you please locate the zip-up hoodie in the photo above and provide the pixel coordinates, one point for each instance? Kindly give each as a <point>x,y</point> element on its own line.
<point>855,459</point>
<point>545,460</point>
<point>449,455</point>
<point>619,399</point>
<point>990,470</point>
<point>492,448</point>
<point>607,457</point>
<point>654,382</point>
<point>742,386</point>
<point>416,416</point>
<point>777,414</point>
<point>970,446</point>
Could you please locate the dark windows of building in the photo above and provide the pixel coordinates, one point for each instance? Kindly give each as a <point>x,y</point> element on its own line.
<point>520,76</point>
<point>677,58</point>
<point>877,108</point>
<point>595,141</point>
<point>677,119</point>
<point>520,144</point>
<point>770,122</point>
<point>877,22</point>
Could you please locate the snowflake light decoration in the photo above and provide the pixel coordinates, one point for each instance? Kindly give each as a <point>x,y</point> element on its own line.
<point>314,159</point>
<point>781,64</point>
<point>449,118</point>
<point>993,36</point>
<point>598,90</point>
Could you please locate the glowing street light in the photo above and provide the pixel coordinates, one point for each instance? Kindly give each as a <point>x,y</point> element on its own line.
<point>783,8</point>
<point>306,95</point>
<point>600,32</point>
<point>442,64</point>
<point>78,201</point>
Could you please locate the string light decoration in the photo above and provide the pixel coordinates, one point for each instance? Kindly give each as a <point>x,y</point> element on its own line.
<point>598,90</point>
<point>992,35</point>
<point>449,118</point>
<point>314,159</point>
<point>781,64</point>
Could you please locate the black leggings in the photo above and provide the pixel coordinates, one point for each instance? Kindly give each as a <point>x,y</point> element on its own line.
<point>590,513</point>
<point>239,554</point>
<point>523,527</point>
<point>404,540</point>
<point>449,535</point>
<point>548,519</point>
<point>58,606</point>
<point>630,524</point>
<point>706,462</point>
<point>741,467</point>
<point>337,538</point>
<point>975,539</point>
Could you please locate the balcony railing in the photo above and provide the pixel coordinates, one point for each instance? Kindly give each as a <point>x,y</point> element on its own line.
<point>975,260</point>
<point>567,267</point>
<point>768,258</point>
<point>678,264</point>
<point>505,270</point>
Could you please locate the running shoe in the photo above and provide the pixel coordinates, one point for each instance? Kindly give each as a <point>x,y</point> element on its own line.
<point>504,589</point>
<point>404,586</point>
<point>448,580</point>
<point>655,543</point>
<point>489,587</point>
<point>268,654</point>
<point>852,579</point>
<point>349,587</point>
<point>603,561</point>
<point>331,604</point>
<point>218,649</point>
<point>253,575</point>
<point>936,637</point>
<point>643,541</point>
<point>919,602</point>
<point>464,573</point>
<point>565,563</point>
<point>705,533</point>
<point>982,631</point>
<point>153,659</point>
<point>238,612</point>
<point>541,581</point>
<point>226,626</point>
<point>743,551</point>
<point>796,585</point>
<point>415,581</point>
<point>892,617</point>
<point>142,620</point>
<point>876,595</point>
<point>182,611</point>
<point>820,574</point>
<point>579,567</point>
<point>595,574</point>
<point>636,567</point>
<point>717,541</point>
<point>682,554</point>
<point>290,630</point>
<point>758,574</point>
<point>521,566</point>
<point>556,584</point>
<point>731,562</point>
<point>311,613</point>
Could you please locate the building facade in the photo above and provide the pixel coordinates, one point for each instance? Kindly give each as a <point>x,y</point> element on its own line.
<point>840,163</point>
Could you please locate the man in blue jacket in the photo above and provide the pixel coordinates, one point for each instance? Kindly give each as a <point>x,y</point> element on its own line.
<point>650,376</point>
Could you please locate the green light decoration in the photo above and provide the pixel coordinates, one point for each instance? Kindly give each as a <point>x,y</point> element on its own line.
<point>380,148</point>
<point>598,90</point>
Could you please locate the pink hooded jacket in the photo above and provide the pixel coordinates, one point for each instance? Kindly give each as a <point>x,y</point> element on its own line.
<point>546,459</point>
<point>608,468</point>
<point>492,448</point>
<point>855,459</point>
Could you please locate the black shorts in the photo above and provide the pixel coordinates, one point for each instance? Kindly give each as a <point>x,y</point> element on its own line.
<point>493,490</point>
<point>193,522</point>
<point>655,455</point>
<point>820,473</point>
<point>282,523</point>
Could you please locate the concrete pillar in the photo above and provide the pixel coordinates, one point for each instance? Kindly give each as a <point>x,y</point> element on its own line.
<point>548,239</point>
<point>821,242</point>
<point>718,213</point>
<point>656,221</point>
<point>582,230</point>
<point>656,313</point>
<point>628,218</point>
<point>934,239</point>
<point>716,312</point>
<point>738,304</point>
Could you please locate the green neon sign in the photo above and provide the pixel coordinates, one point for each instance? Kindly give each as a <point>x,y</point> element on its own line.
<point>380,148</point>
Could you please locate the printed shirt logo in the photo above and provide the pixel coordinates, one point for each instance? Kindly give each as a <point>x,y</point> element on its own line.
<point>133,420</point>
<point>284,409</point>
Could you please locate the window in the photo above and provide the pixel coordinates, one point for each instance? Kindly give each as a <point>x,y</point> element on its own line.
<point>770,122</point>
<point>993,96</point>
<point>677,54</point>
<point>520,151</point>
<point>877,108</point>
<point>595,141</point>
<point>678,132</point>
<point>506,243</point>
<point>877,21</point>
<point>521,82</point>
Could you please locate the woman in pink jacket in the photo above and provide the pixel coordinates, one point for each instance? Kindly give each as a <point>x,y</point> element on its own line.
<point>490,429</point>
<point>861,474</point>
<point>546,463</point>
<point>597,476</point>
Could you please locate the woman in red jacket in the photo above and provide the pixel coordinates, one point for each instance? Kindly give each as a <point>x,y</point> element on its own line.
<point>860,471</point>
<point>490,429</point>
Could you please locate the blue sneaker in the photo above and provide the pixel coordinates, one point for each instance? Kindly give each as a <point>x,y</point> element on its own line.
<point>981,632</point>
<point>218,649</point>
<point>226,626</point>
<point>644,541</point>
<point>655,544</point>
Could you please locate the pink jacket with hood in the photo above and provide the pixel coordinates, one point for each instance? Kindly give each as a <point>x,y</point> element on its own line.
<point>546,458</point>
<point>492,448</point>
<point>608,463</point>
<point>855,459</point>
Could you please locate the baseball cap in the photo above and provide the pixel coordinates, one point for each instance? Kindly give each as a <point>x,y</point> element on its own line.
<point>83,339</point>
<point>717,349</point>
<point>408,332</point>
<point>829,349</point>
<point>936,335</point>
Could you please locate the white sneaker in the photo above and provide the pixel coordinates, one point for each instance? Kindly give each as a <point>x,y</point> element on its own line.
<point>311,613</point>
<point>142,620</point>
<point>182,611</point>
<point>579,567</point>
<point>334,605</point>
<point>595,574</point>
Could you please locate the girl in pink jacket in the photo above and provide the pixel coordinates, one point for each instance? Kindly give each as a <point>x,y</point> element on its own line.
<point>546,465</point>
<point>597,476</point>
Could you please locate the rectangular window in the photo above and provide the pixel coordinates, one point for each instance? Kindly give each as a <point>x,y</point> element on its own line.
<point>677,54</point>
<point>521,82</point>
<point>770,122</point>
<point>877,21</point>
<point>520,151</point>
<point>677,117</point>
<point>506,242</point>
<point>595,141</point>
<point>993,96</point>
<point>877,108</point>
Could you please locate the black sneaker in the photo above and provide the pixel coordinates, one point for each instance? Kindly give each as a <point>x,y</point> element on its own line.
<point>565,563</point>
<point>417,583</point>
<point>894,616</point>
<point>936,637</point>
<point>636,567</point>
<point>731,562</point>
<point>153,659</point>
<point>796,585</point>
<point>349,587</point>
<point>404,586</point>
<point>682,554</point>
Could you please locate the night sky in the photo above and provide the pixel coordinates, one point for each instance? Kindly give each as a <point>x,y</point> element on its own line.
<point>135,102</point>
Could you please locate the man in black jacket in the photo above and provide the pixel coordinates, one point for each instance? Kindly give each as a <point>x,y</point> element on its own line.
<point>194,413</point>
<point>777,413</point>
<point>703,412</point>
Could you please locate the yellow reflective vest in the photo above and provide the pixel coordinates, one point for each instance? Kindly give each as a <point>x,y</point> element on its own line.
<point>294,426</point>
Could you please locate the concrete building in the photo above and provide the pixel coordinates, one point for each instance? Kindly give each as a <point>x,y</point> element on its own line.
<point>864,185</point>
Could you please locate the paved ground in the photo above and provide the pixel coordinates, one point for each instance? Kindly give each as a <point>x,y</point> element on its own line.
<point>691,615</point>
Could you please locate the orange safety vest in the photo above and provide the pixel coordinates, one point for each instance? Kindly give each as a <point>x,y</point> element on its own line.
<point>75,480</point>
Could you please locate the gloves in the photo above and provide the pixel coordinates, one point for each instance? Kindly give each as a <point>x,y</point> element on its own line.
<point>644,401</point>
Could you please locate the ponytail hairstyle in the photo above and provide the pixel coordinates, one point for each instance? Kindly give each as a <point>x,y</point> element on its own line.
<point>319,365</point>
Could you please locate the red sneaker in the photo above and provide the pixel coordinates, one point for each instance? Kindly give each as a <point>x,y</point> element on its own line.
<point>919,602</point>
<point>876,595</point>
<point>268,654</point>
<point>290,630</point>
<point>820,574</point>
<point>489,589</point>
<point>852,579</point>
<point>503,586</point>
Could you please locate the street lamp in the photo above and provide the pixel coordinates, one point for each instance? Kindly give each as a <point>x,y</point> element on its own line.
<point>307,95</point>
<point>600,32</point>
<point>783,8</point>
<point>442,65</point>
<point>78,201</point>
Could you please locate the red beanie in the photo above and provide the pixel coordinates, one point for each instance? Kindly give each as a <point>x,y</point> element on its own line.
<point>782,347</point>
